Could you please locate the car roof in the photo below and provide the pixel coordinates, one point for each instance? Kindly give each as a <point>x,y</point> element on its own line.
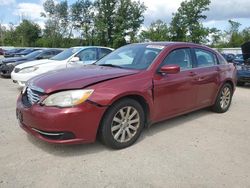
<point>85,47</point>
<point>168,43</point>
<point>51,49</point>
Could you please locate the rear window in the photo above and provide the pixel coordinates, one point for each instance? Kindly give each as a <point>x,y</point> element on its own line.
<point>205,58</point>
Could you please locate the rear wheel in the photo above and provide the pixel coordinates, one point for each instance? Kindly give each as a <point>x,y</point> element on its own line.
<point>122,124</point>
<point>224,98</point>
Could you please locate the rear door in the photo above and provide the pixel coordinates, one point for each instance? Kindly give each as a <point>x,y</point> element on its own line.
<point>207,79</point>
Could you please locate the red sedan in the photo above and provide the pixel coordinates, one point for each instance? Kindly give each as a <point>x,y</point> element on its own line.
<point>136,85</point>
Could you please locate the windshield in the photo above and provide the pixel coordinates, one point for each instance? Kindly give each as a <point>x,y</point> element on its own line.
<point>33,54</point>
<point>138,56</point>
<point>65,54</point>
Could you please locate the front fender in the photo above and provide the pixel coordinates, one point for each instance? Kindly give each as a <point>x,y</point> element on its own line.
<point>108,92</point>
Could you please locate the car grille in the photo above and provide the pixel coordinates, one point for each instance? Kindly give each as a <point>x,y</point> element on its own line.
<point>16,70</point>
<point>33,96</point>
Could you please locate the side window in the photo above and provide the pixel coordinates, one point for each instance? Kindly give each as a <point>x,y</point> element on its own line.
<point>46,55</point>
<point>205,58</point>
<point>87,55</point>
<point>103,52</point>
<point>56,52</point>
<point>181,57</point>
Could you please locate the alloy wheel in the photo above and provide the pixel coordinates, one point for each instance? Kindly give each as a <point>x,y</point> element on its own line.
<point>225,98</point>
<point>125,124</point>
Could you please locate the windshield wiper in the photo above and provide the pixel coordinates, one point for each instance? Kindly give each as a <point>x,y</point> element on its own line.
<point>110,65</point>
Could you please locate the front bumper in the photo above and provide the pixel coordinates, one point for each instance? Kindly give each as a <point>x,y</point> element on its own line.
<point>61,125</point>
<point>243,76</point>
<point>5,70</point>
<point>20,78</point>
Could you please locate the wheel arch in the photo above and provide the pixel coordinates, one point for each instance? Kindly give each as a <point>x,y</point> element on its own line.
<point>142,101</point>
<point>228,81</point>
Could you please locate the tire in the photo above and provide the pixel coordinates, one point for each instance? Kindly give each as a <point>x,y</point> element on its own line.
<point>122,124</point>
<point>224,99</point>
<point>240,83</point>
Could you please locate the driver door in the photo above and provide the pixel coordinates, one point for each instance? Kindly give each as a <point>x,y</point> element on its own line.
<point>175,93</point>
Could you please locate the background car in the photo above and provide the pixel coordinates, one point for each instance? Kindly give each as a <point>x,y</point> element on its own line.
<point>7,65</point>
<point>120,94</point>
<point>26,52</point>
<point>12,52</point>
<point>229,57</point>
<point>2,51</point>
<point>243,69</point>
<point>239,56</point>
<point>71,57</point>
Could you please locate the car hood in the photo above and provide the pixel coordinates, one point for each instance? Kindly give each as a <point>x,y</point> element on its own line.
<point>34,63</point>
<point>76,78</point>
<point>14,59</point>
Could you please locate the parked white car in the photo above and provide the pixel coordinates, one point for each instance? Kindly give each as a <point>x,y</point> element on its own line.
<point>71,57</point>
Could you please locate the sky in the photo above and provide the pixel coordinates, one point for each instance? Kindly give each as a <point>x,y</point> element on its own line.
<point>218,16</point>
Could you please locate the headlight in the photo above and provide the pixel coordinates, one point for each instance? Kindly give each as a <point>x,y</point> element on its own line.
<point>67,98</point>
<point>10,64</point>
<point>28,69</point>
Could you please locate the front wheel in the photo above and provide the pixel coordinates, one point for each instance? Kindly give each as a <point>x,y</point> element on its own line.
<point>224,98</point>
<point>122,124</point>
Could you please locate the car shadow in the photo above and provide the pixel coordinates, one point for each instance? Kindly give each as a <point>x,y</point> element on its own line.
<point>67,150</point>
<point>98,147</point>
<point>247,85</point>
<point>173,122</point>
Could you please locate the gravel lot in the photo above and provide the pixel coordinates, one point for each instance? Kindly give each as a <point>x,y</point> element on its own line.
<point>201,149</point>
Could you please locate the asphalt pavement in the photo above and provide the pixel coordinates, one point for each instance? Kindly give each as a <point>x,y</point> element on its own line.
<point>201,149</point>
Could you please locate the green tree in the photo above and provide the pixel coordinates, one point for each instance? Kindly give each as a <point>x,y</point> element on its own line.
<point>57,25</point>
<point>2,33</point>
<point>117,19</point>
<point>216,36</point>
<point>82,16</point>
<point>10,36</point>
<point>136,18</point>
<point>27,33</point>
<point>157,31</point>
<point>104,21</point>
<point>246,34</point>
<point>235,37</point>
<point>186,22</point>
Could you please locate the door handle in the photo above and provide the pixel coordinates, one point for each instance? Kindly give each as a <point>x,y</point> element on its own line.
<point>200,79</point>
<point>218,69</point>
<point>192,74</point>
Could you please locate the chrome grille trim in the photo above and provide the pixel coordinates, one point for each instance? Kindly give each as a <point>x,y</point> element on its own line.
<point>47,133</point>
<point>33,98</point>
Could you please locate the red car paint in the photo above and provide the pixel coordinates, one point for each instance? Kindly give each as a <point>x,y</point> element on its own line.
<point>165,96</point>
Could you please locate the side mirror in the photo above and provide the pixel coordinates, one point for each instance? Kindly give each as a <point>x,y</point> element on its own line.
<point>170,69</point>
<point>74,59</point>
